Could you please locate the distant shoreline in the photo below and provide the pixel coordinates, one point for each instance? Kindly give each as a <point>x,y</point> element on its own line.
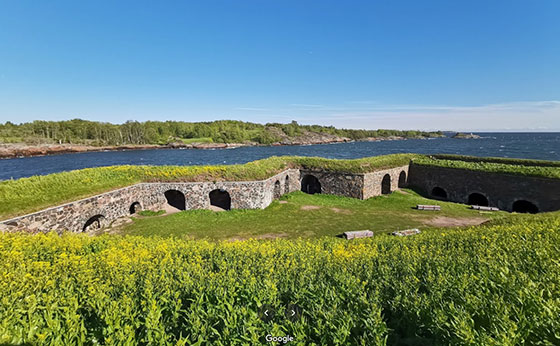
<point>18,150</point>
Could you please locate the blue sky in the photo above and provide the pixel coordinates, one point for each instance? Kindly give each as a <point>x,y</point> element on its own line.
<point>463,65</point>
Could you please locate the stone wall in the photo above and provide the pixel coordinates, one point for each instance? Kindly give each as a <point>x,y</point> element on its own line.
<point>362,186</point>
<point>335,183</point>
<point>501,190</point>
<point>115,204</point>
<point>73,216</point>
<point>373,181</point>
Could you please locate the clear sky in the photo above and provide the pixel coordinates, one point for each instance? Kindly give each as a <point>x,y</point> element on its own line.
<point>463,65</point>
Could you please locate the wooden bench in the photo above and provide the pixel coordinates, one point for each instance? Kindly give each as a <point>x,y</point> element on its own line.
<point>406,232</point>
<point>483,208</point>
<point>428,207</point>
<point>357,234</point>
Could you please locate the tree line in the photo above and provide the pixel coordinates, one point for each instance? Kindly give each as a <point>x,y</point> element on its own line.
<point>78,131</point>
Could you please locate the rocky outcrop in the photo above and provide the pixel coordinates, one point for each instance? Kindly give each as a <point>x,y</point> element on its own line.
<point>461,135</point>
<point>307,138</point>
<point>21,150</point>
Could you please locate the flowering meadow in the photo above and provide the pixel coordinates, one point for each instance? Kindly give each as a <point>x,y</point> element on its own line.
<point>491,285</point>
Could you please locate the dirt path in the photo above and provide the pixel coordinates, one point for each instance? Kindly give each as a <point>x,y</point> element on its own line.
<point>310,207</point>
<point>444,221</point>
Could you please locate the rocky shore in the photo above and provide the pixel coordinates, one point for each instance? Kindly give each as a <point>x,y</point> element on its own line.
<point>461,135</point>
<point>8,151</point>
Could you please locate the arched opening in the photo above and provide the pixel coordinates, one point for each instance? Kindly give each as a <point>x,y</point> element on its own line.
<point>135,207</point>
<point>176,199</point>
<point>287,185</point>
<point>478,199</point>
<point>310,184</point>
<point>402,179</point>
<point>277,189</point>
<point>523,206</point>
<point>94,222</point>
<point>439,193</point>
<point>386,184</point>
<point>220,198</point>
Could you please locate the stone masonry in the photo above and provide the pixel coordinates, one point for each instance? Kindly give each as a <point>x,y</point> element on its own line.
<point>500,189</point>
<point>114,204</point>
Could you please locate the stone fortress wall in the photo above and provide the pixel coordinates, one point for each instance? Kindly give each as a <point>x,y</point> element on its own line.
<point>499,190</point>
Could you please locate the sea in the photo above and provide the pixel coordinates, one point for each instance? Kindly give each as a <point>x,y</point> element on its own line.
<point>543,146</point>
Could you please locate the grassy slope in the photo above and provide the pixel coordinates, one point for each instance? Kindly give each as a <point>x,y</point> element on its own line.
<point>35,193</point>
<point>26,195</point>
<point>504,160</point>
<point>334,216</point>
<point>532,168</point>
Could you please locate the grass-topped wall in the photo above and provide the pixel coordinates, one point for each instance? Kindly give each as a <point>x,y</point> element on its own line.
<point>504,160</point>
<point>531,168</point>
<point>25,195</point>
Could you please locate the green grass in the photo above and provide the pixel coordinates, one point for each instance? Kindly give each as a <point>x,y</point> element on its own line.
<point>504,160</point>
<point>150,213</point>
<point>197,140</point>
<point>11,140</point>
<point>532,168</point>
<point>363,165</point>
<point>333,216</point>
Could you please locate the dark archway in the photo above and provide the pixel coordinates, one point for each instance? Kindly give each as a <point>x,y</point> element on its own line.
<point>478,199</point>
<point>176,199</point>
<point>94,222</point>
<point>310,184</point>
<point>402,179</point>
<point>220,198</point>
<point>386,184</point>
<point>523,206</point>
<point>277,190</point>
<point>287,185</point>
<point>135,207</point>
<point>439,193</point>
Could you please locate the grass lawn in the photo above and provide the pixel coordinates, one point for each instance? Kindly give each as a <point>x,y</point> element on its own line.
<point>308,216</point>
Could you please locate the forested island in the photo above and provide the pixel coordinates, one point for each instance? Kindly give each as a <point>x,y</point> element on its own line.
<point>50,137</point>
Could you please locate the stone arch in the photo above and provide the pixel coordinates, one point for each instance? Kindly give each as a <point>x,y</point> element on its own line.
<point>94,222</point>
<point>310,184</point>
<point>523,206</point>
<point>402,179</point>
<point>277,190</point>
<point>220,198</point>
<point>176,199</point>
<point>386,184</point>
<point>287,184</point>
<point>476,198</point>
<point>439,193</point>
<point>135,207</point>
